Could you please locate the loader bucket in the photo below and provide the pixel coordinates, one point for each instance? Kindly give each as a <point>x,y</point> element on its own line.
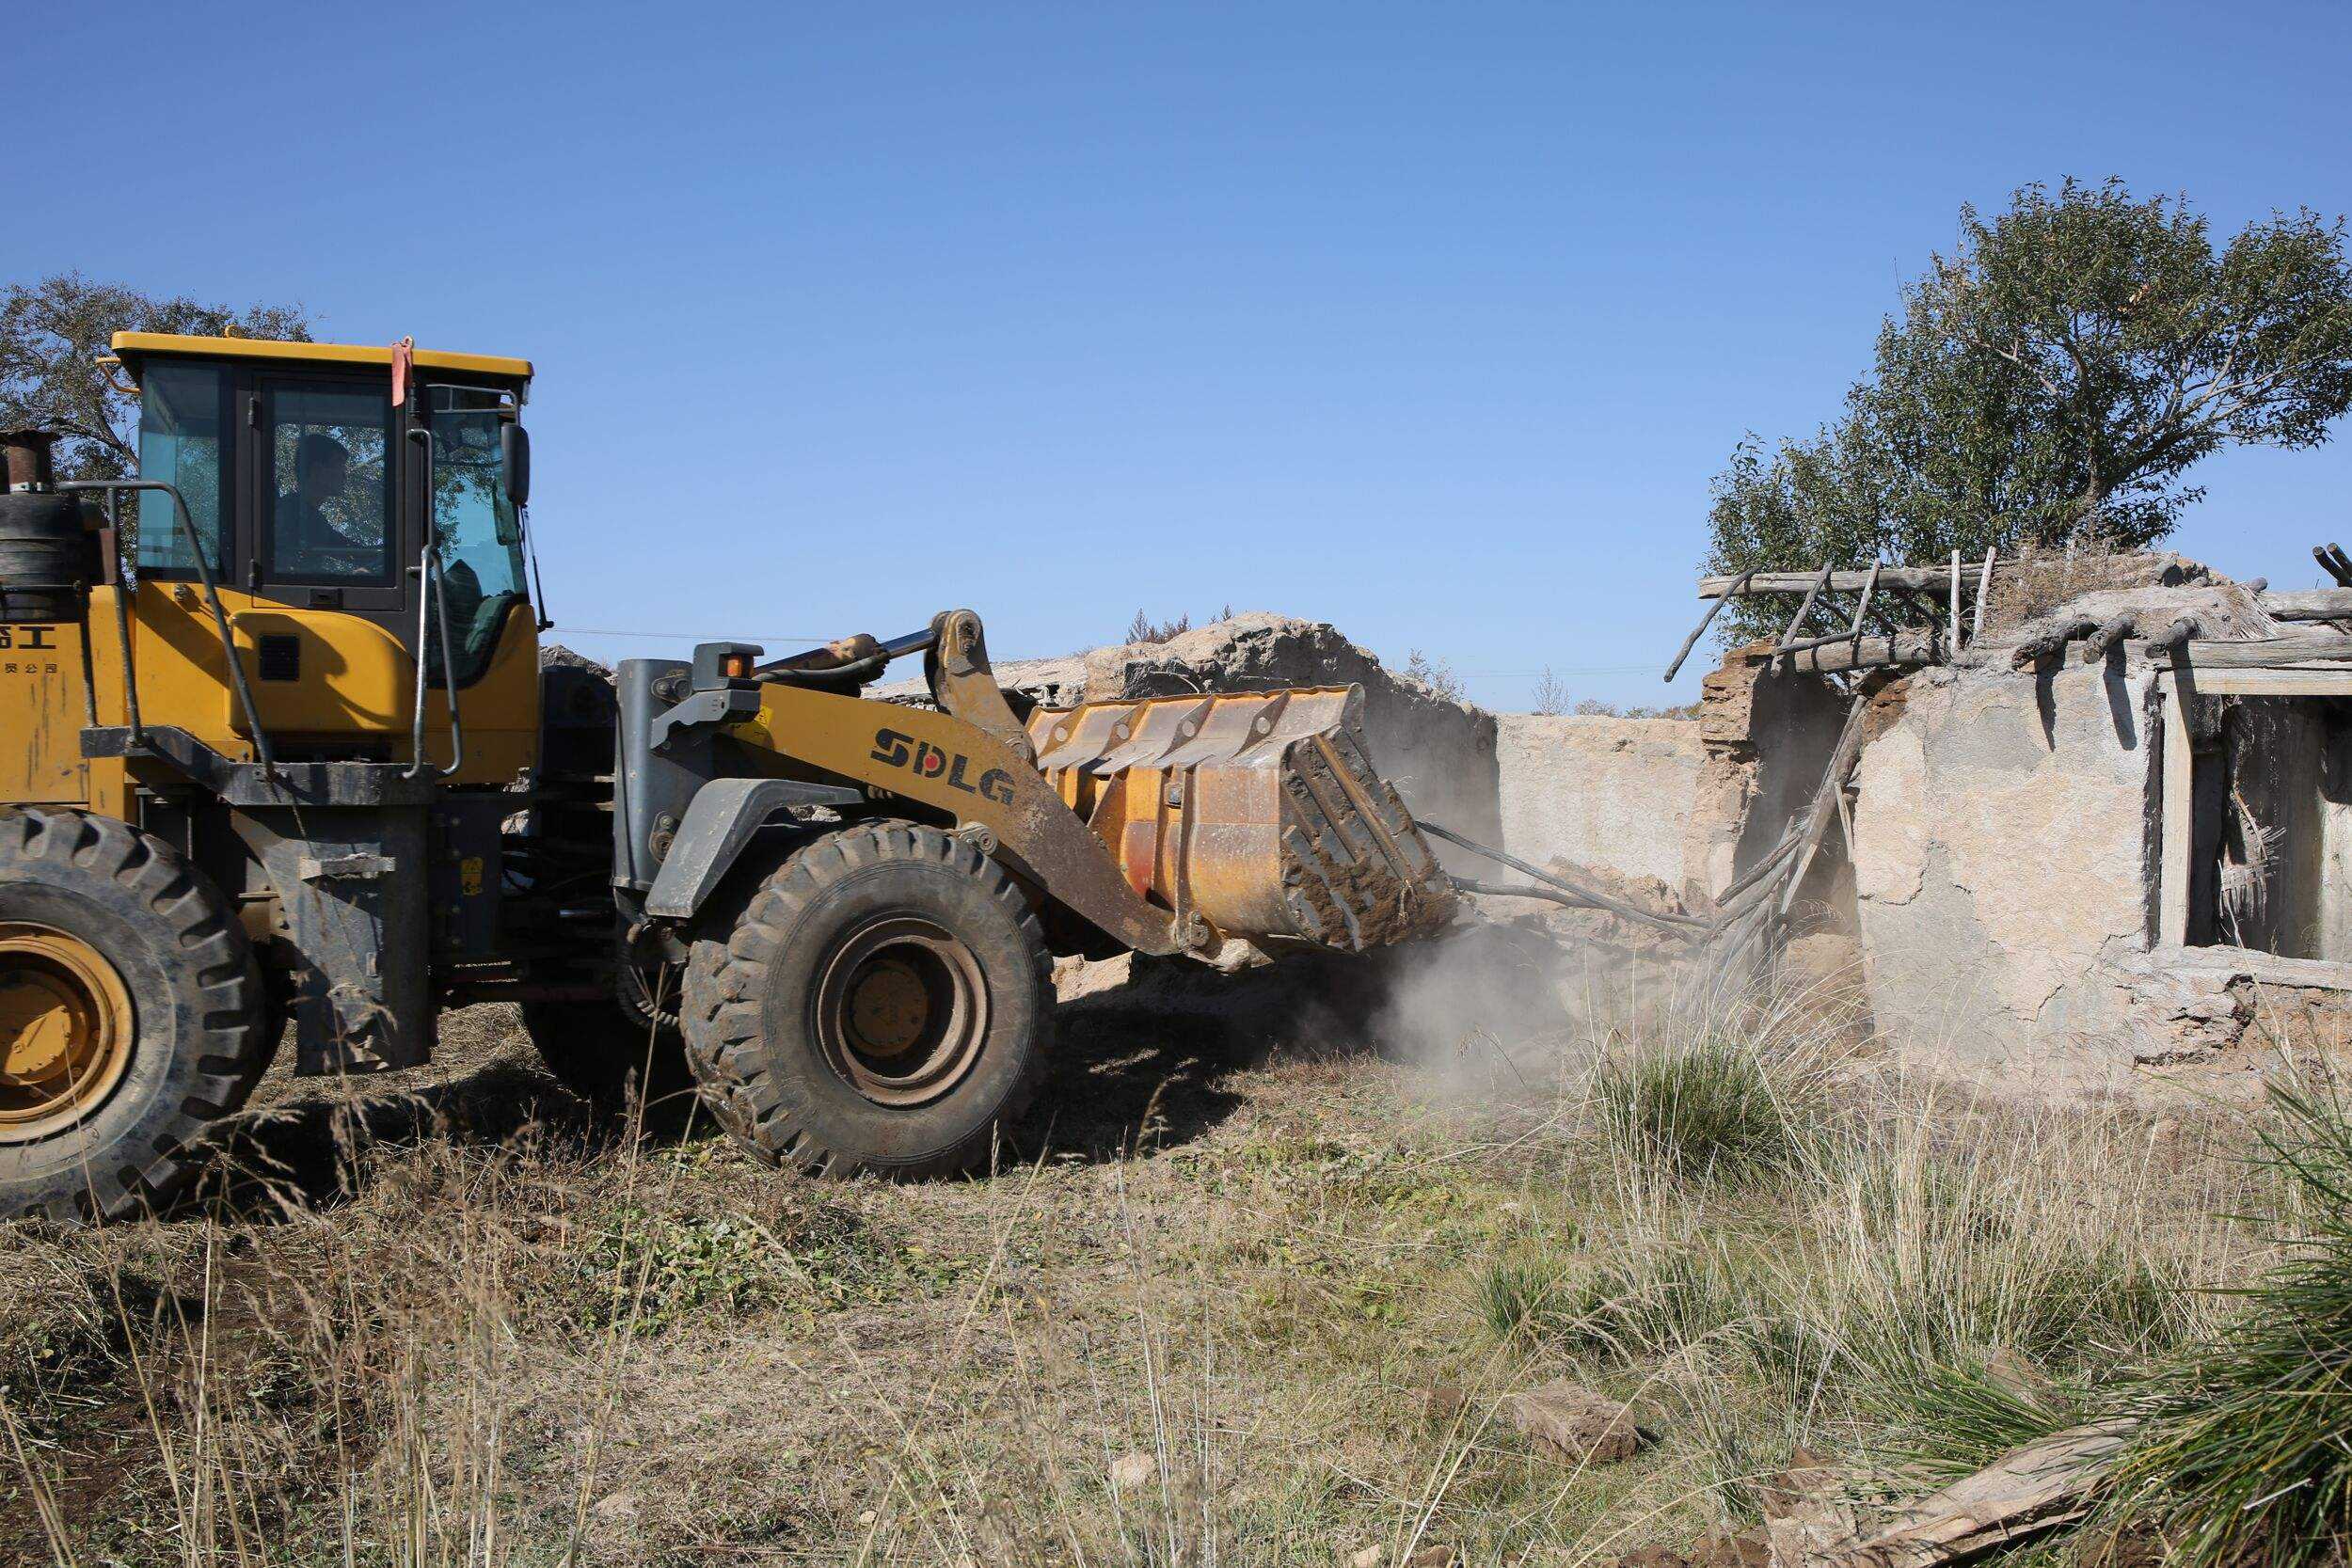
<point>1256,811</point>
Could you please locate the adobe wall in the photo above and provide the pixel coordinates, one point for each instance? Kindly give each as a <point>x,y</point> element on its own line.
<point>2005,842</point>
<point>1598,791</point>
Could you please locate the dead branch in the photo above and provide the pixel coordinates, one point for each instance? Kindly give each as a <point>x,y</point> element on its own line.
<point>2024,1492</point>
<point>2109,634</point>
<point>1737,586</point>
<point>2035,649</point>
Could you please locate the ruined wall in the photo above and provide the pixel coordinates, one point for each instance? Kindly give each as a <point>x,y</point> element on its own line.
<point>1767,736</point>
<point>1598,791</point>
<point>2005,847</point>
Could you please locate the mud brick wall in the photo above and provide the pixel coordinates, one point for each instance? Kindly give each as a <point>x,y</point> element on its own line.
<point>1596,791</point>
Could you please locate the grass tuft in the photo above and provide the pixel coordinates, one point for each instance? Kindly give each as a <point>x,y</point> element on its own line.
<point>2245,1453</point>
<point>1707,1109</point>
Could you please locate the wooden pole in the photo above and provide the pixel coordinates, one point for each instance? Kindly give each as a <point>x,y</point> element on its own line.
<point>1738,586</point>
<point>1824,805</point>
<point>1806,609</point>
<point>1862,605</point>
<point>2107,635</point>
<point>1913,646</point>
<point>1921,579</point>
<point>1984,592</point>
<point>2053,642</point>
<point>1955,601</point>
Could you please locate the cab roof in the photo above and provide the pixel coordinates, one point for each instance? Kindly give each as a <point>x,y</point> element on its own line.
<point>132,347</point>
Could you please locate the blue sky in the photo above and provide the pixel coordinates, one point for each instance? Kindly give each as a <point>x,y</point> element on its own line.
<point>1433,322</point>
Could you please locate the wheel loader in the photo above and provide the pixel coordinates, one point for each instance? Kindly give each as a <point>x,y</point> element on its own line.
<point>279,758</point>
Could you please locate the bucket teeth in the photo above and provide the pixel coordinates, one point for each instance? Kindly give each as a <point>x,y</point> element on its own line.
<point>1258,811</point>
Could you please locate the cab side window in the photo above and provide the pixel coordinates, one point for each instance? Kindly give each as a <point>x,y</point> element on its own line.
<point>328,507</point>
<point>181,410</point>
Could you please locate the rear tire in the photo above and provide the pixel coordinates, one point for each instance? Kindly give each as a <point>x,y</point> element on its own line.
<point>618,1053</point>
<point>879,1003</point>
<point>131,1016</point>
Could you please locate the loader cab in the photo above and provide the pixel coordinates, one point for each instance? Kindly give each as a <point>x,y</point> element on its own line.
<point>349,506</point>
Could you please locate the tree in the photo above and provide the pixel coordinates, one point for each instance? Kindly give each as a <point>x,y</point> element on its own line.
<point>52,333</point>
<point>2052,381</point>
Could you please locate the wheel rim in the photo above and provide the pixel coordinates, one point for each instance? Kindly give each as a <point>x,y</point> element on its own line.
<point>65,1030</point>
<point>902,1011</point>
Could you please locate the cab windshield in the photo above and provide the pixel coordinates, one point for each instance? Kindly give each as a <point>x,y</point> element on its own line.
<point>480,533</point>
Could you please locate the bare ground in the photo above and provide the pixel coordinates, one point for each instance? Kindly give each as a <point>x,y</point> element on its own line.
<point>1195,1318</point>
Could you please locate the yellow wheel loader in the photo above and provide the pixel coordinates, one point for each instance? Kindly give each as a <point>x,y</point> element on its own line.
<point>277,748</point>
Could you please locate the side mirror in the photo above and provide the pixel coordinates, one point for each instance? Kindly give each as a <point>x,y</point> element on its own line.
<point>515,449</point>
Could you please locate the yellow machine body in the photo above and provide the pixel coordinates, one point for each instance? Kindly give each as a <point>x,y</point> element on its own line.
<point>355,700</point>
<point>1170,823</point>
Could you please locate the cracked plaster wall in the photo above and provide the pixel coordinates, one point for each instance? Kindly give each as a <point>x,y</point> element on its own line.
<point>2004,854</point>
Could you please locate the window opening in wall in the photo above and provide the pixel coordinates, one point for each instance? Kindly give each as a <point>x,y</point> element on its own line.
<point>2270,823</point>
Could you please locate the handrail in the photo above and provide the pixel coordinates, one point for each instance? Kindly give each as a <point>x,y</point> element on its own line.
<point>433,594</point>
<point>112,487</point>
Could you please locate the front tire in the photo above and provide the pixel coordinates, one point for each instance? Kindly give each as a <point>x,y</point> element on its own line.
<point>879,1003</point>
<point>131,1016</point>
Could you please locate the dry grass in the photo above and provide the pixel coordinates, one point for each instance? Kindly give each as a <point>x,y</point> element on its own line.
<point>1195,1322</point>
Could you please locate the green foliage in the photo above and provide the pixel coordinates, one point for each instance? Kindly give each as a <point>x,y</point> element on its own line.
<point>2247,1446</point>
<point>2053,379</point>
<point>52,333</point>
<point>1705,1109</point>
<point>649,1272</point>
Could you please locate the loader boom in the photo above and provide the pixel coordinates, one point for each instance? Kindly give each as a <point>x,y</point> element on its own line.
<point>957,768</point>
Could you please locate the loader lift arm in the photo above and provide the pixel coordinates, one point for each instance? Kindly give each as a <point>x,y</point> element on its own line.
<point>957,768</point>
<point>1170,824</point>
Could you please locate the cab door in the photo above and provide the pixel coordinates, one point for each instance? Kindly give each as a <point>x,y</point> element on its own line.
<point>324,462</point>
<point>326,551</point>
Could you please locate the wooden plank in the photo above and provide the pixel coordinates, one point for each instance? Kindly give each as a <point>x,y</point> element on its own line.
<point>2310,604</point>
<point>2314,649</point>
<point>2027,1491</point>
<point>2179,772</point>
<point>2308,681</point>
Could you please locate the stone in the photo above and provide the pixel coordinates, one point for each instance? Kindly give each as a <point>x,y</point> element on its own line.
<point>1575,1423</point>
<point>1747,1549</point>
<point>1653,1557</point>
<point>1807,1518</point>
<point>1370,1557</point>
<point>1131,1470</point>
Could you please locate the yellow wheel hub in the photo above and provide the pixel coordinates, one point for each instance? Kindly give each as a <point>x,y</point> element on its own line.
<point>65,1029</point>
